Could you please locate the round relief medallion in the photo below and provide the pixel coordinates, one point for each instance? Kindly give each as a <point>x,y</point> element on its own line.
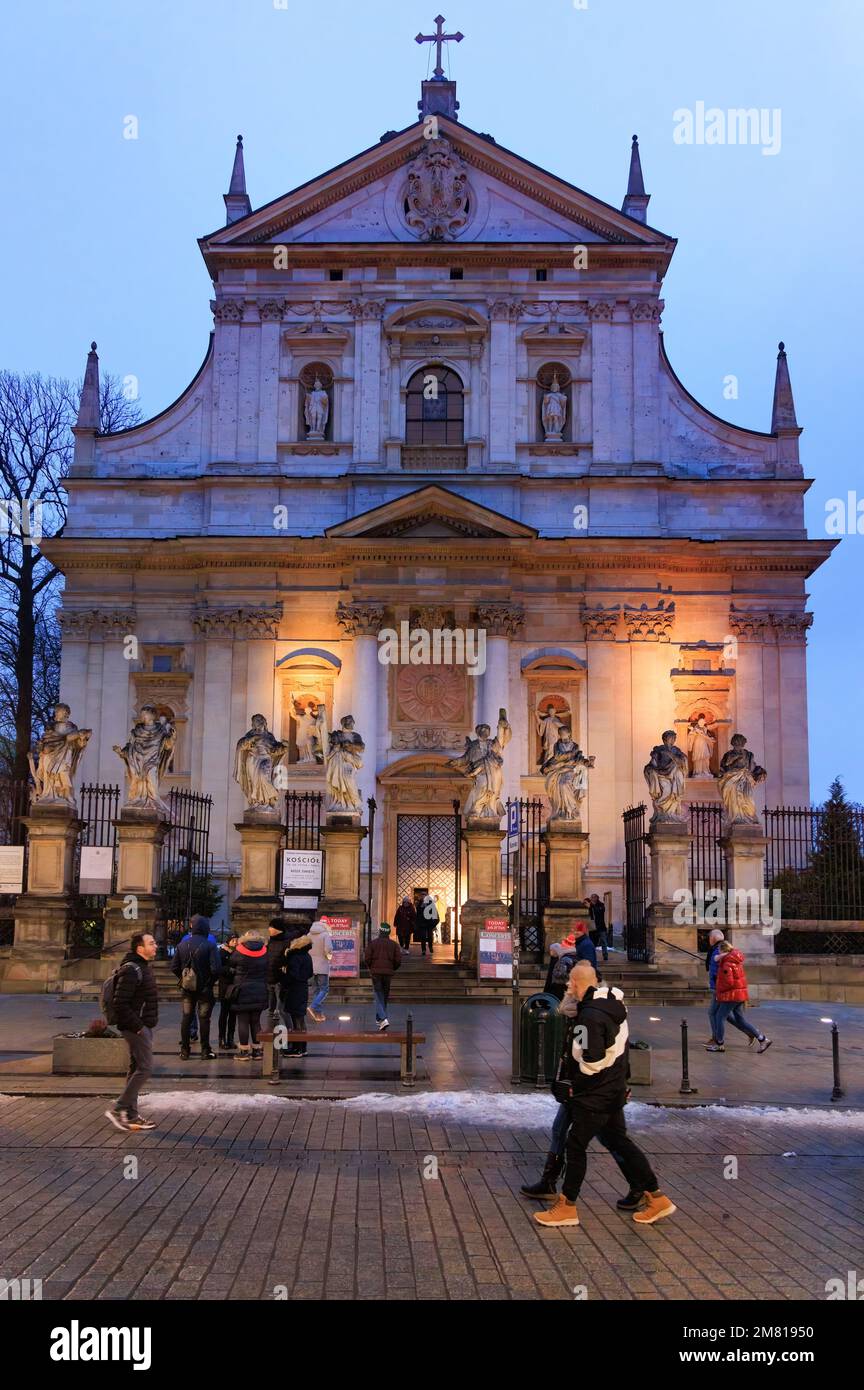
<point>430,696</point>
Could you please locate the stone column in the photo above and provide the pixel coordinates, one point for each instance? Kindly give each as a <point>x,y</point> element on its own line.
<point>669,846</point>
<point>367,379</point>
<point>270,312</point>
<point>260,834</point>
<point>341,845</point>
<point>602,398</point>
<point>502,381</point>
<point>483,842</point>
<point>567,855</point>
<point>362,621</point>
<point>743,849</point>
<point>646,410</point>
<point>228,315</point>
<point>502,622</point>
<point>134,905</point>
<point>41,913</point>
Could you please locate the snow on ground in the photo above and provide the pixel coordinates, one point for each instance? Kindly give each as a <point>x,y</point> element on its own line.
<point>529,1111</point>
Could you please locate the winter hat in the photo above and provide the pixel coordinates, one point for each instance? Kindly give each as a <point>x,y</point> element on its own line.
<point>384,928</point>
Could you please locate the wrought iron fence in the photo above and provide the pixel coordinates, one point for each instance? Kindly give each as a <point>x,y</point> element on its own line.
<point>14,805</point>
<point>707,860</point>
<point>533,884</point>
<point>789,942</point>
<point>98,808</point>
<point>302,820</point>
<point>815,857</point>
<point>187,866</point>
<point>637,880</point>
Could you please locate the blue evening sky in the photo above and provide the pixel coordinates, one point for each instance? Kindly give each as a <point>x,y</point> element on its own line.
<point>99,232</point>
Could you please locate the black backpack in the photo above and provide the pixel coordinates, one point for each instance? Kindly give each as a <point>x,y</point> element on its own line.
<point>106,994</point>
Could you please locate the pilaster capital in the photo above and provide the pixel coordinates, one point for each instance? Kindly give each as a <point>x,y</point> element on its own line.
<point>600,311</point>
<point>601,624</point>
<point>227,310</point>
<point>646,624</point>
<point>362,619</point>
<point>791,627</point>
<point>94,624</point>
<point>238,622</point>
<point>500,619</point>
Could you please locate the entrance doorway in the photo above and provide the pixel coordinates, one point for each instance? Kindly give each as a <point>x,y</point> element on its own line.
<point>426,860</point>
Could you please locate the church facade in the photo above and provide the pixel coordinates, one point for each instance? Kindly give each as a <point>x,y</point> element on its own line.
<point>436,401</point>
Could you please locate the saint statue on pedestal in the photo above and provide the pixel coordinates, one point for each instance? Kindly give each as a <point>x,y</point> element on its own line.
<point>553,412</point>
<point>147,755</point>
<point>665,773</point>
<point>316,411</point>
<point>739,777</point>
<point>58,753</point>
<point>700,746</point>
<point>311,724</point>
<point>566,773</point>
<point>255,758</point>
<point>483,762</point>
<point>344,759</point>
<point>550,727</point>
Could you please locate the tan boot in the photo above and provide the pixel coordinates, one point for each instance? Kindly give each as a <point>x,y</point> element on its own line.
<point>656,1207</point>
<point>563,1213</point>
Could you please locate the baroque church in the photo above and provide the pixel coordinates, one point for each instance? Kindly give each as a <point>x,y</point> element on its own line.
<point>436,394</point>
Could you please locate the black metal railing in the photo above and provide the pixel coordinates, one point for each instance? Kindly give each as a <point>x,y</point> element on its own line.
<point>98,808</point>
<point>533,886</point>
<point>637,881</point>
<point>187,866</point>
<point>14,805</point>
<point>815,858</point>
<point>302,819</point>
<point>707,860</point>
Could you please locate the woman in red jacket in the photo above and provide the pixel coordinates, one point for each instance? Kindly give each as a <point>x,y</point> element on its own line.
<point>731,995</point>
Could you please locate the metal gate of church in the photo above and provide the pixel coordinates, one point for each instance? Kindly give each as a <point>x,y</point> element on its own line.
<point>637,879</point>
<point>302,820</point>
<point>533,874</point>
<point>14,805</point>
<point>707,861</point>
<point>98,808</point>
<point>187,865</point>
<point>426,858</point>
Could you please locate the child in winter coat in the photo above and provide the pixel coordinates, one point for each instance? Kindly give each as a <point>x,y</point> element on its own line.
<point>295,972</point>
<point>731,996</point>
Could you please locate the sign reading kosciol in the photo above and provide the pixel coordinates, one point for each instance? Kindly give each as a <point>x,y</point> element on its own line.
<point>301,870</point>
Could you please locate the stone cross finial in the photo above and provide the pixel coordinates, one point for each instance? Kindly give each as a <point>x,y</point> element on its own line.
<point>439,38</point>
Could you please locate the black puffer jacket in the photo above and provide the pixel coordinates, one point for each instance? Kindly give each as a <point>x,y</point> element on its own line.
<point>295,974</point>
<point>250,975</point>
<point>136,998</point>
<point>595,1060</point>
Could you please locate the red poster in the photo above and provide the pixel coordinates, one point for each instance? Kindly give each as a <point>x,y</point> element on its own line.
<point>495,950</point>
<point>345,933</point>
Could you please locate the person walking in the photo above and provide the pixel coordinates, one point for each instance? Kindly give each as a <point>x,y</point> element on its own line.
<point>383,959</point>
<point>712,961</point>
<point>405,923</point>
<point>427,921</point>
<point>227,990</point>
<point>250,976</point>
<point>597,911</point>
<point>592,1083</point>
<point>196,963</point>
<point>136,1013</point>
<point>322,954</point>
<point>296,971</point>
<point>731,994</point>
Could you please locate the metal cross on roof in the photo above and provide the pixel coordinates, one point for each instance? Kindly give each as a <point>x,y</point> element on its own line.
<point>439,39</point>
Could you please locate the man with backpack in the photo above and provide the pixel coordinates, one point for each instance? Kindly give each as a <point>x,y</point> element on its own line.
<point>130,1002</point>
<point>197,965</point>
<point>563,955</point>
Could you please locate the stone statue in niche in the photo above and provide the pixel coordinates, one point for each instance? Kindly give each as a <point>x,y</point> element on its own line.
<point>665,774</point>
<point>739,776</point>
<point>566,774</point>
<point>311,722</point>
<point>344,759</point>
<point>550,726</point>
<point>316,411</point>
<point>553,412</point>
<point>700,745</point>
<point>255,758</point>
<point>147,754</point>
<point>58,753</point>
<point>483,763</point>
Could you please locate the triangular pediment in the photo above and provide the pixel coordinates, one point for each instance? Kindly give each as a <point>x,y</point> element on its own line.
<point>431,513</point>
<point>508,198</point>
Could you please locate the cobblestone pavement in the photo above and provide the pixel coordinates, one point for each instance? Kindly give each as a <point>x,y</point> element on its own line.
<point>310,1201</point>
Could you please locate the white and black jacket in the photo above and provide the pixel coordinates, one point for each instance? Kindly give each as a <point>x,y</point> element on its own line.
<point>595,1059</point>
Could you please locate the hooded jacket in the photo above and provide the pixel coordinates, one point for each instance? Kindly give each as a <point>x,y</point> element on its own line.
<point>322,948</point>
<point>250,974</point>
<point>731,981</point>
<point>595,1060</point>
<point>199,950</point>
<point>295,973</point>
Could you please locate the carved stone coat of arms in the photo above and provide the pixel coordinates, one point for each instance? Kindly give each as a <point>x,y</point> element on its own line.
<point>437,193</point>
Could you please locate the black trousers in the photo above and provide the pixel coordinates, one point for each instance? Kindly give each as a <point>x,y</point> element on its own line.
<point>610,1128</point>
<point>227,1021</point>
<point>204,1004</point>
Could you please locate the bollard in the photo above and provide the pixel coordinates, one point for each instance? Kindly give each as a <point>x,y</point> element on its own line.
<point>685,1089</point>
<point>408,1078</point>
<point>540,1083</point>
<point>838,1093</point>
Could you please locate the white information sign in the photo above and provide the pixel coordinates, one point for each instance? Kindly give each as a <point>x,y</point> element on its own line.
<point>97,862</point>
<point>301,870</point>
<point>11,868</point>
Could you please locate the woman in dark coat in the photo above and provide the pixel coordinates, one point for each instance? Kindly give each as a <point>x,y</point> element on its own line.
<point>405,923</point>
<point>296,971</point>
<point>227,1018</point>
<point>250,978</point>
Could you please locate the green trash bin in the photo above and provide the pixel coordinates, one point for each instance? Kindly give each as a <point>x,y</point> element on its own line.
<point>532,1067</point>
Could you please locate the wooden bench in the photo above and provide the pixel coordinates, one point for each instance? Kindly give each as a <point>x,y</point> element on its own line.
<point>406,1042</point>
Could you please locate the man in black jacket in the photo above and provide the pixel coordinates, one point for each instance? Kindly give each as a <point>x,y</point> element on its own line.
<point>593,1083</point>
<point>197,951</point>
<point>136,1005</point>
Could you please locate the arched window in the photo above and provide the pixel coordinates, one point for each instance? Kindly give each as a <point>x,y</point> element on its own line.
<point>435,407</point>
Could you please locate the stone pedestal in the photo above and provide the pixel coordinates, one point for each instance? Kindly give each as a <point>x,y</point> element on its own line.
<point>669,847</point>
<point>260,843</point>
<point>567,855</point>
<point>341,840</point>
<point>748,902</point>
<point>134,905</point>
<point>483,840</point>
<point>42,911</point>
